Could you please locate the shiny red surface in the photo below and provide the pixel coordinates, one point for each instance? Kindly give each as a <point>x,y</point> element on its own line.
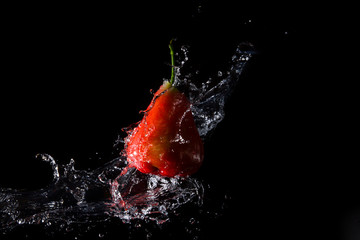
<point>166,142</point>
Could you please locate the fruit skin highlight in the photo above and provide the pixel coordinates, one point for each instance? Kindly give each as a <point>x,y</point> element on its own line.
<point>166,142</point>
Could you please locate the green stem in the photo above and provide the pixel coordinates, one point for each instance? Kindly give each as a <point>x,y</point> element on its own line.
<point>172,63</point>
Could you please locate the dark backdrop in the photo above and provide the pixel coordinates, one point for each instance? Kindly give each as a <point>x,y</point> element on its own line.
<point>74,75</point>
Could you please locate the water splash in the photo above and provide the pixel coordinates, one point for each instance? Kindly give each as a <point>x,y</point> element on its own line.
<point>116,191</point>
<point>75,196</point>
<point>145,196</point>
<point>208,100</point>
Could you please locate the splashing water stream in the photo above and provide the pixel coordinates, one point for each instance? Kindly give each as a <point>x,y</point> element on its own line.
<point>114,190</point>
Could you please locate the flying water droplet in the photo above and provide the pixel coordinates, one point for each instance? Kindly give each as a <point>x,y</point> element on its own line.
<point>148,236</point>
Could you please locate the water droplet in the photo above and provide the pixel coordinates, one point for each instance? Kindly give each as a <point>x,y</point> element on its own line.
<point>21,221</point>
<point>192,220</point>
<point>68,229</point>
<point>101,235</point>
<point>199,9</point>
<point>102,177</point>
<point>227,197</point>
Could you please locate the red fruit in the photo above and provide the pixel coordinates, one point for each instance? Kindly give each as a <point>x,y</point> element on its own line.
<point>166,142</point>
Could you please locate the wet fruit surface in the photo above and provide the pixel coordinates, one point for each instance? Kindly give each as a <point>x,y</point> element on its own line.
<point>166,141</point>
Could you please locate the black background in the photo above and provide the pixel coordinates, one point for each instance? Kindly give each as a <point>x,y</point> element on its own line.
<point>74,75</point>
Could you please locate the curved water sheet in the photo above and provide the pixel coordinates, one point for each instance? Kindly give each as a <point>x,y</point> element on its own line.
<point>208,100</point>
<point>111,191</point>
<point>114,190</point>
